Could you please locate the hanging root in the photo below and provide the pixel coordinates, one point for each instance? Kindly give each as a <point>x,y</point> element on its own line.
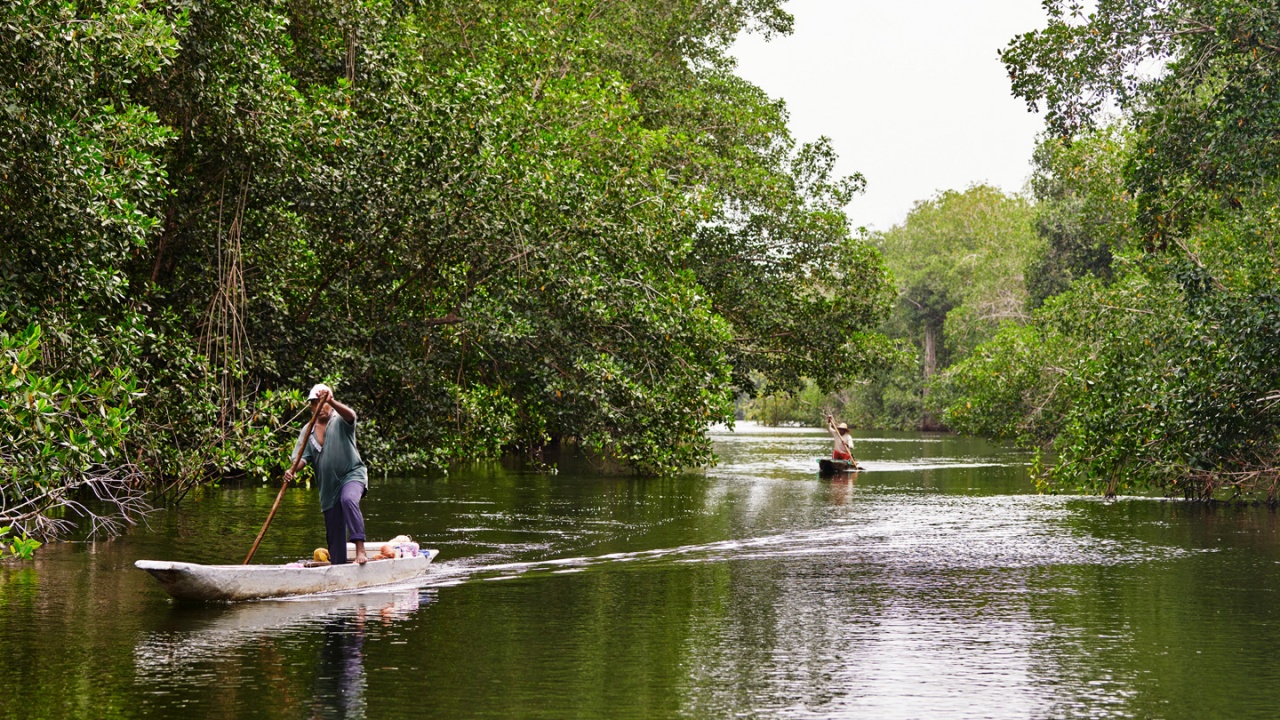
<point>106,501</point>
<point>224,338</point>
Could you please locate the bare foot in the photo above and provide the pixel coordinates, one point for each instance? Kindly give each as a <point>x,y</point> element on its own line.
<point>361,558</point>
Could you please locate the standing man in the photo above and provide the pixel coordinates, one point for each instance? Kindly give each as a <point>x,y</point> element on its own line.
<point>342,475</point>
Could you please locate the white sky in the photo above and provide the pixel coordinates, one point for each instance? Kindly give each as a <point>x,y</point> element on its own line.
<point>910,92</point>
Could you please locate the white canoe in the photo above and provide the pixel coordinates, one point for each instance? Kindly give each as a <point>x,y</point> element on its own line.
<point>191,581</point>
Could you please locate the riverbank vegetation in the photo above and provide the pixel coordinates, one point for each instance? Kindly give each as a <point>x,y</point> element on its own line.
<point>493,226</point>
<point>1134,335</point>
<point>1160,368</point>
<point>959,262</point>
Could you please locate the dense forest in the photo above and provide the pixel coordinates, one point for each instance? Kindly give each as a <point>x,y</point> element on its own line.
<point>1153,357</point>
<point>498,226</point>
<point>958,261</point>
<point>1122,315</point>
<point>492,226</point>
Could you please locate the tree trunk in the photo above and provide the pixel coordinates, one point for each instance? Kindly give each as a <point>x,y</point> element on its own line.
<point>930,351</point>
<point>931,333</point>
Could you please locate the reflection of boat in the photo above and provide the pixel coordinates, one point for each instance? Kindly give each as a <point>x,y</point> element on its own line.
<point>190,581</point>
<point>196,634</point>
<point>828,467</point>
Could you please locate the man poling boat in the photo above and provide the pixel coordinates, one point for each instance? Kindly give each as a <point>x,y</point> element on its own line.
<point>327,443</point>
<point>330,447</point>
<point>842,452</point>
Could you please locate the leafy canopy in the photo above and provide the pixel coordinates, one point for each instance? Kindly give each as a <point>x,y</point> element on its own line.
<point>493,226</point>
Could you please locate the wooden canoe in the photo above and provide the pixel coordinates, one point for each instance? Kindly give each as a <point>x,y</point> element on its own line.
<point>828,467</point>
<point>191,581</point>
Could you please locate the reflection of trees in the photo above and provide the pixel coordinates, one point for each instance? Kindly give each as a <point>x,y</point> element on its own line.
<point>838,633</point>
<point>745,596</point>
<point>1190,631</point>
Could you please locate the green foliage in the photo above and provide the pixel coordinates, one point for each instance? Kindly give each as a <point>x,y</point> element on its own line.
<point>1177,393</point>
<point>1083,210</point>
<point>500,224</point>
<point>1135,387</point>
<point>22,548</point>
<point>958,261</point>
<point>803,407</point>
<point>1162,373</point>
<point>892,397</point>
<point>1198,78</point>
<point>64,436</point>
<point>1012,386</point>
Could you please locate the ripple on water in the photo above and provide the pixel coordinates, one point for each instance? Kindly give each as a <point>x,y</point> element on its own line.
<point>752,592</point>
<point>903,531</point>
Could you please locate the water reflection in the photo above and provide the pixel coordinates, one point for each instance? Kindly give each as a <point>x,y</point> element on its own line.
<point>842,488</point>
<point>340,679</point>
<point>200,649</point>
<point>944,589</point>
<point>192,633</point>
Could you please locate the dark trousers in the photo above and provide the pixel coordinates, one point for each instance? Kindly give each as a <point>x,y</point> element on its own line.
<point>343,522</point>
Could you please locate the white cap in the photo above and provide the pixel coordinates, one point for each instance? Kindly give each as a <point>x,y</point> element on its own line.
<point>315,391</point>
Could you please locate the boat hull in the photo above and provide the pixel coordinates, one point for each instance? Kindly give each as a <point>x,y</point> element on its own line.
<point>828,467</point>
<point>192,581</point>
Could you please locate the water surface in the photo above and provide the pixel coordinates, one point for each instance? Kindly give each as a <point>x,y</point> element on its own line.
<point>933,585</point>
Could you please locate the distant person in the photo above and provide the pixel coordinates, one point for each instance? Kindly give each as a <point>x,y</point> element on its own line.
<point>843,449</point>
<point>341,473</point>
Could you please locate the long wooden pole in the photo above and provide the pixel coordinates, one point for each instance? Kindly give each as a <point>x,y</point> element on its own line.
<point>849,450</point>
<point>843,444</point>
<point>306,438</point>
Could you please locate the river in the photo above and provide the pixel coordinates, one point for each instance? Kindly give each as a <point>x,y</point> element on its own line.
<point>935,584</point>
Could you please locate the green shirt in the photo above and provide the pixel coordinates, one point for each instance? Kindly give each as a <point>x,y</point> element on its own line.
<point>338,462</point>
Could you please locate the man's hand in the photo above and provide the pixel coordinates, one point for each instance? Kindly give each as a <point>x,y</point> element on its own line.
<point>343,411</point>
<point>288,475</point>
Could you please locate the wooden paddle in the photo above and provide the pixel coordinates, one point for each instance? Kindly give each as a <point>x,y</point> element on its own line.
<point>306,438</point>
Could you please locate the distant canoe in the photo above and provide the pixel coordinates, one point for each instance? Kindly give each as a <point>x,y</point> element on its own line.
<point>191,581</point>
<point>828,467</point>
